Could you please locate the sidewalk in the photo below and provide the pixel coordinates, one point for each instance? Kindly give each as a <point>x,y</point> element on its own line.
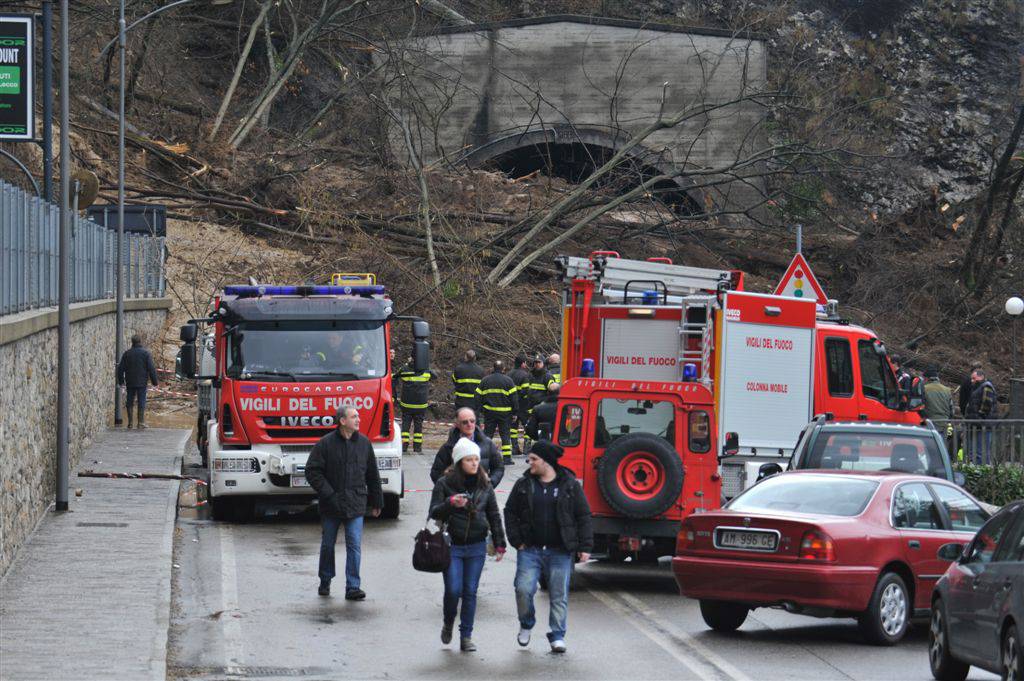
<point>89,594</point>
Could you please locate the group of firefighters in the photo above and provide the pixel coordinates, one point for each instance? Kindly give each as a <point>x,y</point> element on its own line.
<point>519,404</point>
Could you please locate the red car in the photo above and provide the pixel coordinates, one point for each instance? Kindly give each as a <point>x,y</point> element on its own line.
<point>827,544</point>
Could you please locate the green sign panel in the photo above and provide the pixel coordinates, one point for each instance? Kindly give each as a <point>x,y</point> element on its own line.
<point>17,91</point>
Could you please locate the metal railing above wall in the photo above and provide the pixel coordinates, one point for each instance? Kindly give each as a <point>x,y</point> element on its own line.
<point>29,241</point>
<point>989,441</point>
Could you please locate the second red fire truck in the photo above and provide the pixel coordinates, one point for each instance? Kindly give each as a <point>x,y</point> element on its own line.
<point>679,385</point>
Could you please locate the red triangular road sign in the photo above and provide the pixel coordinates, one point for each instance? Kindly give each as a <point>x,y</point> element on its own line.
<point>799,282</point>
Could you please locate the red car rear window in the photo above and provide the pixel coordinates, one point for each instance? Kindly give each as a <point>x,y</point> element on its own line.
<point>810,494</point>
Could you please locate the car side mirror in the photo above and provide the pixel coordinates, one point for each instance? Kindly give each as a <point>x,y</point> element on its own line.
<point>959,478</point>
<point>951,551</point>
<point>188,333</point>
<point>420,356</point>
<point>731,446</point>
<point>420,329</point>
<point>185,362</point>
<point>767,470</point>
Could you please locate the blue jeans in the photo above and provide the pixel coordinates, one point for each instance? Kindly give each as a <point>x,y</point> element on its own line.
<point>981,445</point>
<point>130,395</point>
<point>556,566</point>
<point>461,580</point>
<point>353,548</point>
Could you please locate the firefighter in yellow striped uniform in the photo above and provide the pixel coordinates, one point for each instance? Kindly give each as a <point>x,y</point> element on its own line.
<point>536,391</point>
<point>554,366</point>
<point>466,379</point>
<point>413,401</point>
<point>498,400</point>
<point>520,375</point>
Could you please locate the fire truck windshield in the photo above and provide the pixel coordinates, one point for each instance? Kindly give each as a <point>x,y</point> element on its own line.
<point>307,351</point>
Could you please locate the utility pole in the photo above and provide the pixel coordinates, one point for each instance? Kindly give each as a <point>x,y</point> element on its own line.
<point>47,142</point>
<point>119,278</point>
<point>63,308</point>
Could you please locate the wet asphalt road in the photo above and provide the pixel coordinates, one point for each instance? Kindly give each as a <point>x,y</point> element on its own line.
<point>245,606</point>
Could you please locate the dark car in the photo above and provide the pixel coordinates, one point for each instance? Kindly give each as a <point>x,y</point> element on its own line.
<point>978,605</point>
<point>862,446</point>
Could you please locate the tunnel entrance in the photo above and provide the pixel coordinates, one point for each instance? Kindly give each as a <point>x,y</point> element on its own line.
<point>574,159</point>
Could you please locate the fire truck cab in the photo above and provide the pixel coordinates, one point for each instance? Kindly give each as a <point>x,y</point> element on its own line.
<point>679,385</point>
<point>280,362</point>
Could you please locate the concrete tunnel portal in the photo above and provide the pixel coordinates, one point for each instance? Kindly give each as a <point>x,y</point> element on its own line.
<point>562,94</point>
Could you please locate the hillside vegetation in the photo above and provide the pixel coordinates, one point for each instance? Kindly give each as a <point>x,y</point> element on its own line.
<point>301,177</point>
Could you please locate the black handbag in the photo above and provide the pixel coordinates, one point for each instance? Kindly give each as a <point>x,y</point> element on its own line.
<point>432,552</point>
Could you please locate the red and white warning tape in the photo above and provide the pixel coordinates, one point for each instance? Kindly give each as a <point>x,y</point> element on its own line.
<point>172,392</point>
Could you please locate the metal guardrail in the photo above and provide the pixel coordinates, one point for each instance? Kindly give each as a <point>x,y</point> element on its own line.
<point>29,242</point>
<point>989,441</point>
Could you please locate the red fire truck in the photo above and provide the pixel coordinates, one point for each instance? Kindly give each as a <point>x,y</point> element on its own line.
<point>283,359</point>
<point>679,385</point>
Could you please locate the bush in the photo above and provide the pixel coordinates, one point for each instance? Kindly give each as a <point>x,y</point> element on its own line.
<point>997,485</point>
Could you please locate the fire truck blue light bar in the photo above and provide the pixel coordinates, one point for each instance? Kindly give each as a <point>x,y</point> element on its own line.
<point>255,291</point>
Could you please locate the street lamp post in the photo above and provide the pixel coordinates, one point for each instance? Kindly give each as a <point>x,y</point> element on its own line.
<point>1014,307</point>
<point>122,30</point>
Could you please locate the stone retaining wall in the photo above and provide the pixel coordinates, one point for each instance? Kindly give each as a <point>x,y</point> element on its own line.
<point>28,400</point>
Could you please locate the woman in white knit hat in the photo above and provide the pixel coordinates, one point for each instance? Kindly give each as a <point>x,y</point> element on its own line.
<point>464,499</point>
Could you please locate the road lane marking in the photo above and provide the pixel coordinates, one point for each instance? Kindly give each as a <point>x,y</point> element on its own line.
<point>688,639</point>
<point>670,641</point>
<point>231,627</point>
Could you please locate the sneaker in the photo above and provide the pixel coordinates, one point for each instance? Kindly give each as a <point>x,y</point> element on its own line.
<point>325,588</point>
<point>558,646</point>
<point>354,594</point>
<point>467,645</point>
<point>523,638</point>
<point>446,633</point>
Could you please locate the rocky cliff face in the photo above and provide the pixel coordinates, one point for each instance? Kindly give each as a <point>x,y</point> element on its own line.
<point>941,77</point>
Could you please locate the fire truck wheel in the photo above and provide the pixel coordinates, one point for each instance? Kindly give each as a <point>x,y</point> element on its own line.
<point>640,475</point>
<point>391,507</point>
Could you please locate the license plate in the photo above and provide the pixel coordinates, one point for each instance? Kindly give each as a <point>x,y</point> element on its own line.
<point>747,541</point>
<point>299,481</point>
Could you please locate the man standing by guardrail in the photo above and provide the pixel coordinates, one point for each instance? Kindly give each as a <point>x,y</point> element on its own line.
<point>134,371</point>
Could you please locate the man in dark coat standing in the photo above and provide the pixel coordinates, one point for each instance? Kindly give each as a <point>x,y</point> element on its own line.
<point>342,469</point>
<point>465,427</point>
<point>134,371</point>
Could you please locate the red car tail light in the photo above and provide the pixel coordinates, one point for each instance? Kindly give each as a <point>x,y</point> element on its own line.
<point>817,546</point>
<point>684,539</point>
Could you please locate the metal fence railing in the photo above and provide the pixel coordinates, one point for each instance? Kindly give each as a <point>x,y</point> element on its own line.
<point>995,441</point>
<point>29,241</point>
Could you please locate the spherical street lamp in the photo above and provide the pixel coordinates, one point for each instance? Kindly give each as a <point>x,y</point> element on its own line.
<point>1014,306</point>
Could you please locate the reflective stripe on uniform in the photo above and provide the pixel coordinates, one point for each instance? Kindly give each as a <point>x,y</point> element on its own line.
<point>403,405</point>
<point>495,391</point>
<point>502,409</point>
<point>468,396</point>
<point>421,378</point>
<point>467,380</point>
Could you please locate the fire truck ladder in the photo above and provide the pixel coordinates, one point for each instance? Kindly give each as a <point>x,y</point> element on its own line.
<point>701,331</point>
<point>613,276</point>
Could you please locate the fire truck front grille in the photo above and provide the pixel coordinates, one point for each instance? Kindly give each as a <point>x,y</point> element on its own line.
<point>732,479</point>
<point>290,433</point>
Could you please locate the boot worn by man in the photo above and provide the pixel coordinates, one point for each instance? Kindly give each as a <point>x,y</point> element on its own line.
<point>354,594</point>
<point>467,645</point>
<point>446,632</point>
<point>325,587</point>
<point>142,419</point>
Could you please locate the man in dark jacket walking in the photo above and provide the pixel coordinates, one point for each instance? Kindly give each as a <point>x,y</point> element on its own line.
<point>465,426</point>
<point>342,469</point>
<point>542,422</point>
<point>465,379</point>
<point>547,519</point>
<point>134,371</point>
<point>520,375</point>
<point>497,401</point>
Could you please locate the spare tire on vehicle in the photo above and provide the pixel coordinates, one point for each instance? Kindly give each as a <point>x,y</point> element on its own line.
<point>640,475</point>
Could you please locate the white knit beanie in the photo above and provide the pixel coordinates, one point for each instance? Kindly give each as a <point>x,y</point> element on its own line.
<point>463,448</point>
